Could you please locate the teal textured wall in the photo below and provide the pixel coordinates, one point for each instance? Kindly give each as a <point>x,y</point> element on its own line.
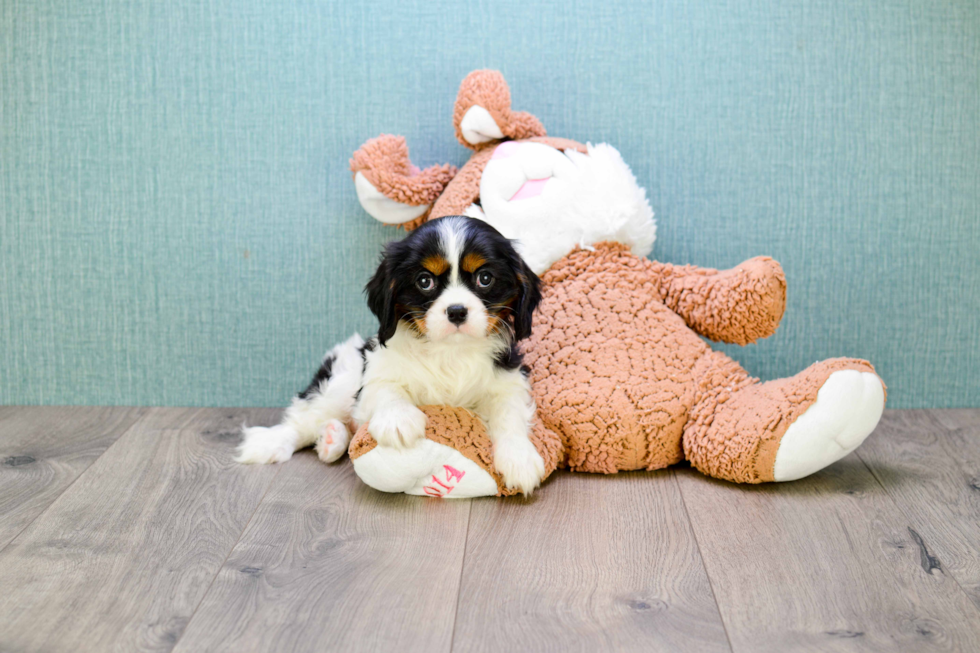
<point>179,226</point>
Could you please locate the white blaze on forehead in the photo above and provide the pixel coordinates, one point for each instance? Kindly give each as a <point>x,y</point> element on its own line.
<point>452,233</point>
<point>452,238</point>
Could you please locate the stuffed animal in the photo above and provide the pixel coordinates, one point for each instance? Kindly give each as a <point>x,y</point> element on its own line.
<point>621,378</point>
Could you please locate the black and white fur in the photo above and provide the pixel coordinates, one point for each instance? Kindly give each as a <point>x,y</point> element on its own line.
<point>452,300</point>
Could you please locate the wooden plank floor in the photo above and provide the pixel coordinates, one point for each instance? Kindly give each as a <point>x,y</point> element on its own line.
<point>132,530</point>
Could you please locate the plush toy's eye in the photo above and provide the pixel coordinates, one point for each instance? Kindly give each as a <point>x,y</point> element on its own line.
<point>425,282</point>
<point>484,279</point>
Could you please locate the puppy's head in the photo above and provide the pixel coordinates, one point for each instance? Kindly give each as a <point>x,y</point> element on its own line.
<point>454,277</point>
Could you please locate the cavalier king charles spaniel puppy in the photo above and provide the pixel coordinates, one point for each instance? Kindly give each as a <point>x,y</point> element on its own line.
<point>452,299</point>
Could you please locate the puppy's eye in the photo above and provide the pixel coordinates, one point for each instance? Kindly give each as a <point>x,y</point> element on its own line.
<point>425,282</point>
<point>484,279</point>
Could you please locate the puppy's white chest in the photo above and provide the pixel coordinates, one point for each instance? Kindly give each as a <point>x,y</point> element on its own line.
<point>456,380</point>
<point>455,372</point>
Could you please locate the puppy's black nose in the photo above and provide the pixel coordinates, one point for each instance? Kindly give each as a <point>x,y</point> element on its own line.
<point>456,314</point>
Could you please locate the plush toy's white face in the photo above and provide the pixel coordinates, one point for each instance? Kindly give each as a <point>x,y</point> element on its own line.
<point>548,200</point>
<point>551,201</point>
<point>524,179</point>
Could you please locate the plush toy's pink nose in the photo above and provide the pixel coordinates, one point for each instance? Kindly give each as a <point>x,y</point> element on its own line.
<point>505,150</point>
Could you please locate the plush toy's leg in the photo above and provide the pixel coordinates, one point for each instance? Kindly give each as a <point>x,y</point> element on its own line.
<point>749,432</point>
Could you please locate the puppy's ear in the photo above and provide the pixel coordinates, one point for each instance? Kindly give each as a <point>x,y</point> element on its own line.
<point>528,297</point>
<point>381,299</point>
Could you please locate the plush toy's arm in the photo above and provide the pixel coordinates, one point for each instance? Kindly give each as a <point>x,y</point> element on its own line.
<point>482,116</point>
<point>389,187</point>
<point>739,306</point>
<point>464,189</point>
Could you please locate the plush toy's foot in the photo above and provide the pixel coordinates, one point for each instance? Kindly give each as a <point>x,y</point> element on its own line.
<point>749,432</point>
<point>332,443</point>
<point>848,407</point>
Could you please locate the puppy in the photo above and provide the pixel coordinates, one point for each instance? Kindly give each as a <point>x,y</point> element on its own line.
<point>452,299</point>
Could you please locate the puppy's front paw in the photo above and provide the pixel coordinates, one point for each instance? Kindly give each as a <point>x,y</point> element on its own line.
<point>519,463</point>
<point>398,426</point>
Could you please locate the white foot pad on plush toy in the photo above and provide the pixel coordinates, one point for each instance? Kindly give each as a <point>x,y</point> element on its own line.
<point>427,468</point>
<point>382,208</point>
<point>848,407</point>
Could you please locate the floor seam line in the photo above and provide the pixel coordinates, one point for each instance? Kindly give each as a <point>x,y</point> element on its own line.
<point>72,484</point>
<point>707,574</point>
<point>230,551</point>
<point>462,567</point>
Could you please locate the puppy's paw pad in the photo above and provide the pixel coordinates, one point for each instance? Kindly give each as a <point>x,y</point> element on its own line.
<point>333,441</point>
<point>398,426</point>
<point>519,463</point>
<point>261,445</point>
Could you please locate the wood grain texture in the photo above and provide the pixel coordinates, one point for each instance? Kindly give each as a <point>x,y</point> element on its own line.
<point>828,563</point>
<point>121,559</point>
<point>44,449</point>
<point>163,542</point>
<point>929,463</point>
<point>589,563</point>
<point>328,564</point>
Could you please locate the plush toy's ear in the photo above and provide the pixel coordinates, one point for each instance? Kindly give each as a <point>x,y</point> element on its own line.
<point>390,188</point>
<point>483,116</point>
<point>381,298</point>
<point>528,299</point>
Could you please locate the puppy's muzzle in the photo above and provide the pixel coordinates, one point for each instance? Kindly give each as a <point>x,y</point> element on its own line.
<point>456,314</point>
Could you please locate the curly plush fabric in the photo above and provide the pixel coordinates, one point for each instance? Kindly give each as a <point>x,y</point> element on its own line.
<point>460,195</point>
<point>619,372</point>
<point>737,306</point>
<point>385,163</point>
<point>487,88</point>
<point>736,423</point>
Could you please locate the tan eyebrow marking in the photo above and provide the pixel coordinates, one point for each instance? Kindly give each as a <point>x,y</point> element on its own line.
<point>435,264</point>
<point>473,262</point>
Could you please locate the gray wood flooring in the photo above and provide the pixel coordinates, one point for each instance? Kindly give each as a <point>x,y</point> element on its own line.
<point>127,529</point>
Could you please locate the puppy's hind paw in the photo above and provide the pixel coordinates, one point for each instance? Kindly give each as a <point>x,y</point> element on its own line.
<point>261,445</point>
<point>519,463</point>
<point>333,440</point>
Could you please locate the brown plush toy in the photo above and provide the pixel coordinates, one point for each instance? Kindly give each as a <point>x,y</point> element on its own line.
<point>621,379</point>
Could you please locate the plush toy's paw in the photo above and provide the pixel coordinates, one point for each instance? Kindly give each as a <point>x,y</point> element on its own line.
<point>397,426</point>
<point>848,407</point>
<point>478,126</point>
<point>482,113</point>
<point>332,443</point>
<point>389,187</point>
<point>519,463</point>
<point>261,445</point>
